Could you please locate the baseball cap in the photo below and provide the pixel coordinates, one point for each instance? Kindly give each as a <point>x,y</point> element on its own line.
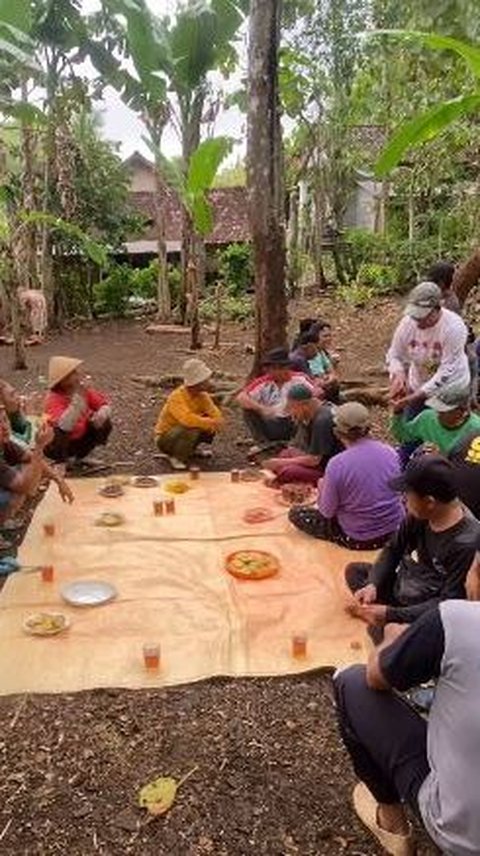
<point>423,299</point>
<point>352,415</point>
<point>299,392</point>
<point>277,357</point>
<point>430,475</point>
<point>449,398</point>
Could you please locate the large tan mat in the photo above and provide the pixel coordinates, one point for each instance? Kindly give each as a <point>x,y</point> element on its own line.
<point>173,589</point>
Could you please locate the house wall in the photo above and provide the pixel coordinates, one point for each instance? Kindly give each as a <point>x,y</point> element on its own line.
<point>142,180</point>
<point>361,211</point>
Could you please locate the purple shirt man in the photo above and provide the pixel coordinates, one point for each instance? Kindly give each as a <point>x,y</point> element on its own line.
<point>356,490</point>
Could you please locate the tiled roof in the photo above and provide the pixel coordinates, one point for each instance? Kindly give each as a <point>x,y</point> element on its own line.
<point>230,214</point>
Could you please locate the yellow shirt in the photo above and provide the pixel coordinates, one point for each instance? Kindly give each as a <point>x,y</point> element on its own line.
<point>191,411</point>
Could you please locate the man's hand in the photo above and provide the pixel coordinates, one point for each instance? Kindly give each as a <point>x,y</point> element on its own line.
<point>398,387</point>
<point>99,418</point>
<point>366,595</point>
<point>65,491</point>
<point>44,436</point>
<point>373,614</point>
<point>409,400</point>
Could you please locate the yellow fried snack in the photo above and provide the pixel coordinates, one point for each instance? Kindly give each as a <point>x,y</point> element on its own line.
<point>176,487</point>
<point>110,518</point>
<point>45,623</point>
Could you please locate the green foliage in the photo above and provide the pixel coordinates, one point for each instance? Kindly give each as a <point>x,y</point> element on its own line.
<point>356,295</point>
<point>381,278</point>
<point>238,309</point>
<point>235,264</point>
<point>112,292</point>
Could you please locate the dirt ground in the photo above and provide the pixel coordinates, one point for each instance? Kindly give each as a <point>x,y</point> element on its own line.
<point>272,776</point>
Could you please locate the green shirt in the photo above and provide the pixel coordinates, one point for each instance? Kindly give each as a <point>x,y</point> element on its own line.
<point>426,428</point>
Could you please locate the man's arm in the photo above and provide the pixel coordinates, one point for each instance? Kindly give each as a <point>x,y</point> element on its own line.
<point>406,431</point>
<point>396,356</point>
<point>212,410</point>
<point>389,559</point>
<point>453,351</point>
<point>412,658</point>
<point>27,478</point>
<point>186,417</point>
<point>329,500</point>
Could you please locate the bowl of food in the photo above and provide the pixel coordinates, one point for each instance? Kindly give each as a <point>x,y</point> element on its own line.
<point>45,623</point>
<point>176,486</point>
<point>111,490</point>
<point>296,494</point>
<point>258,515</point>
<point>144,481</point>
<point>110,519</point>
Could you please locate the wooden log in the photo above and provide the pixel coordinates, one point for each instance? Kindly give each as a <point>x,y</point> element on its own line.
<point>167,329</point>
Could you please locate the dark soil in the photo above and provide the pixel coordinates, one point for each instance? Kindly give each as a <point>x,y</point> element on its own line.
<point>273,777</point>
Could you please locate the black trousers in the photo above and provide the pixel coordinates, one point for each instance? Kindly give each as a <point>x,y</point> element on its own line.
<point>310,521</point>
<point>385,738</point>
<point>63,447</point>
<point>269,430</point>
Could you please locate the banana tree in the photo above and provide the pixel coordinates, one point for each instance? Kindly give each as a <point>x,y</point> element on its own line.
<point>192,189</point>
<point>183,52</point>
<point>428,125</point>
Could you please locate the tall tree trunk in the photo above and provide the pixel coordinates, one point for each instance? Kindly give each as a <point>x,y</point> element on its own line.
<point>46,250</point>
<point>293,253</point>
<point>195,341</point>
<point>28,199</point>
<point>467,276</point>
<point>164,302</point>
<point>319,218</point>
<point>265,177</point>
<point>10,297</point>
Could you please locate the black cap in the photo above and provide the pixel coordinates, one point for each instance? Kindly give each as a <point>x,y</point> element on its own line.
<point>277,357</point>
<point>429,475</point>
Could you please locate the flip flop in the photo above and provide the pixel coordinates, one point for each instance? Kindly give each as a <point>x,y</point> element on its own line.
<point>366,807</point>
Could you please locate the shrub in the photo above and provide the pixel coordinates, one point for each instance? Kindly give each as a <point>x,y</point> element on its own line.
<point>356,295</point>
<point>112,293</point>
<point>233,308</point>
<point>236,268</point>
<point>382,278</point>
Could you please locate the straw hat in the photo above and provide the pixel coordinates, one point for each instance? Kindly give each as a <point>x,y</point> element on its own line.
<point>60,367</point>
<point>195,372</point>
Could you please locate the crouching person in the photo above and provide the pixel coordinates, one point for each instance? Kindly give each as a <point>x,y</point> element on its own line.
<point>21,470</point>
<point>189,418</point>
<point>79,415</point>
<point>399,758</point>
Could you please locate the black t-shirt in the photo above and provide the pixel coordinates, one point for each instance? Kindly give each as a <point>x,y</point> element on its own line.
<point>420,567</point>
<point>318,438</point>
<point>466,458</point>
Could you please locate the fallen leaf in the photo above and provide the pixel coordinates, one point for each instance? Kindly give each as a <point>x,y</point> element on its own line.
<point>158,796</point>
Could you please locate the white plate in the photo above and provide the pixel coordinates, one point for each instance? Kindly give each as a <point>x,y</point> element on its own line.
<point>88,593</point>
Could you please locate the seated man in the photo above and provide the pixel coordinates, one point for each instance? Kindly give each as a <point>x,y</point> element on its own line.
<point>189,417</point>
<point>22,428</point>
<point>314,443</point>
<point>446,421</point>
<point>428,559</point>
<point>304,353</point>
<point>304,326</point>
<point>21,470</point>
<point>465,459</point>
<point>399,757</point>
<point>79,415</point>
<point>264,400</point>
<point>356,505</point>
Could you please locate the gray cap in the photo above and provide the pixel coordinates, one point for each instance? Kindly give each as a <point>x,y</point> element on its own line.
<point>347,417</point>
<point>449,398</point>
<point>423,299</point>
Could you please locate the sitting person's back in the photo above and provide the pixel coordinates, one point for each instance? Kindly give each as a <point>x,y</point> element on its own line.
<point>356,506</point>
<point>465,458</point>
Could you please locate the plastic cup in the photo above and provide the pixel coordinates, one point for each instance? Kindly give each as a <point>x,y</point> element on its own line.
<point>194,473</point>
<point>170,506</point>
<point>49,528</point>
<point>151,657</point>
<point>299,646</point>
<point>158,507</point>
<point>47,574</point>
<point>234,476</point>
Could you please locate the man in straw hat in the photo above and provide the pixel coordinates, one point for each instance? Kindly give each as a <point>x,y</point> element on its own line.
<point>189,417</point>
<point>79,415</point>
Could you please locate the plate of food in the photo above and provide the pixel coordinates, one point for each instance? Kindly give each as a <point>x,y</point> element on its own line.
<point>111,490</point>
<point>252,565</point>
<point>176,486</point>
<point>258,515</point>
<point>45,623</point>
<point>110,519</point>
<point>88,593</point>
<point>296,494</point>
<point>144,481</point>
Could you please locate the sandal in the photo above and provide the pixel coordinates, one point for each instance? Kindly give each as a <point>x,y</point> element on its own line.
<point>366,807</point>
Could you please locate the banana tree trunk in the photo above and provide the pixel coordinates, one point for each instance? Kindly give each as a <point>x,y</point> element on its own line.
<point>28,198</point>
<point>10,298</point>
<point>265,177</point>
<point>191,127</point>
<point>195,342</point>
<point>164,302</point>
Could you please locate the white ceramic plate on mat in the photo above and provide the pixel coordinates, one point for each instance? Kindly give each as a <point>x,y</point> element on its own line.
<point>88,593</point>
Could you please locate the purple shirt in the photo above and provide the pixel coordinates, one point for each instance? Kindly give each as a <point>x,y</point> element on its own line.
<point>356,492</point>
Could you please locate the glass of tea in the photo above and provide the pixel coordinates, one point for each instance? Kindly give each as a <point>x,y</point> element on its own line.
<point>299,646</point>
<point>235,476</point>
<point>158,506</point>
<point>47,574</point>
<point>194,473</point>
<point>151,656</point>
<point>170,506</point>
